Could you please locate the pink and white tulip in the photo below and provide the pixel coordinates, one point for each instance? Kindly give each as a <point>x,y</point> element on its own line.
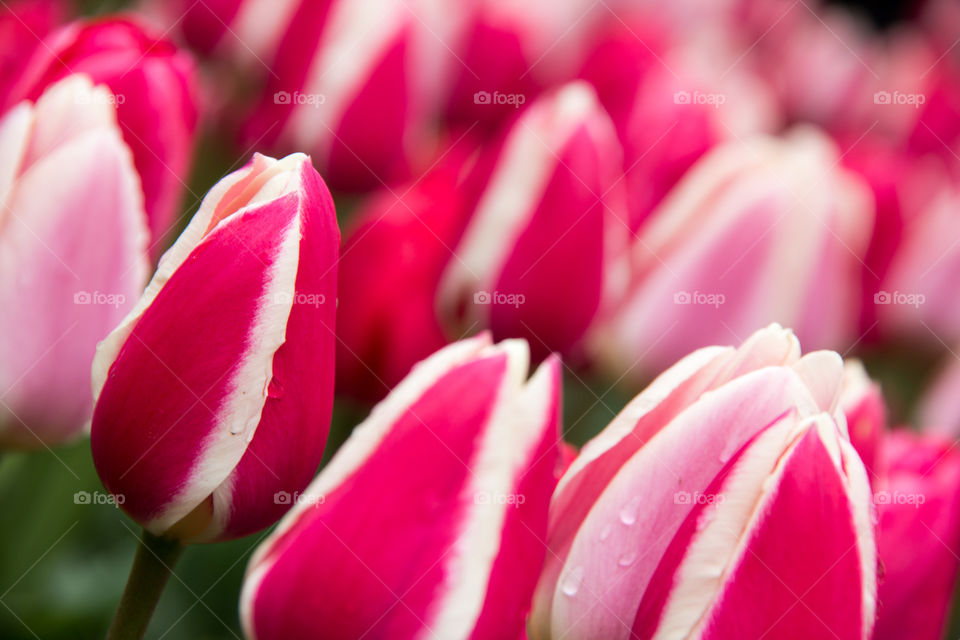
<point>725,501</point>
<point>154,89</point>
<point>354,84</point>
<point>766,230</point>
<point>918,535</point>
<point>73,259</point>
<point>547,223</point>
<point>215,393</point>
<point>429,521</point>
<point>508,52</point>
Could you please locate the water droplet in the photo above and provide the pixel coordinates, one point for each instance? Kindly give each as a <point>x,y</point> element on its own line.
<point>571,584</point>
<point>605,533</point>
<point>627,559</point>
<point>236,428</point>
<point>630,511</point>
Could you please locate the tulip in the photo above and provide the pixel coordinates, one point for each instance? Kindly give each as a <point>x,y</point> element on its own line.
<point>23,25</point>
<point>669,102</point>
<point>866,414</point>
<point>154,89</point>
<point>73,259</point>
<point>725,501</point>
<point>918,296</point>
<point>547,223</point>
<point>919,531</point>
<point>758,231</point>
<point>361,119</point>
<point>508,52</point>
<point>429,520</point>
<point>214,394</point>
<point>939,409</point>
<point>393,256</point>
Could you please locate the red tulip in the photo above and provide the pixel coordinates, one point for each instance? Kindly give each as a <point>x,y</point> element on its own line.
<point>430,520</point>
<point>919,533</point>
<point>393,257</point>
<point>215,392</point>
<point>547,224</point>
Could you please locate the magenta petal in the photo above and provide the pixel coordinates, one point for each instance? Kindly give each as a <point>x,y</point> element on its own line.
<point>284,452</point>
<point>800,574</point>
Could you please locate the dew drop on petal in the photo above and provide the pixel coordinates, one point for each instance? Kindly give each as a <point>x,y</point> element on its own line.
<point>630,511</point>
<point>571,584</point>
<point>627,559</point>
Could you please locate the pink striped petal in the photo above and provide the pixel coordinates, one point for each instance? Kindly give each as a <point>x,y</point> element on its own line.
<point>430,472</point>
<point>226,361</point>
<point>73,255</point>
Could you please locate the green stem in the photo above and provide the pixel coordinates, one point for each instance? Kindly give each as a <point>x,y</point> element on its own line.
<point>151,569</point>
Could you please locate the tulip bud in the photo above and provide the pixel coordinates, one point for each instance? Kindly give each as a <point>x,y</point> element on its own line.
<point>758,231</point>
<point>866,414</point>
<point>919,291</point>
<point>650,536</point>
<point>73,244</point>
<point>509,52</point>
<point>670,103</point>
<point>215,393</point>
<point>919,532</point>
<point>430,519</point>
<point>390,267</point>
<point>339,63</point>
<point>547,223</point>
<point>154,91</point>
